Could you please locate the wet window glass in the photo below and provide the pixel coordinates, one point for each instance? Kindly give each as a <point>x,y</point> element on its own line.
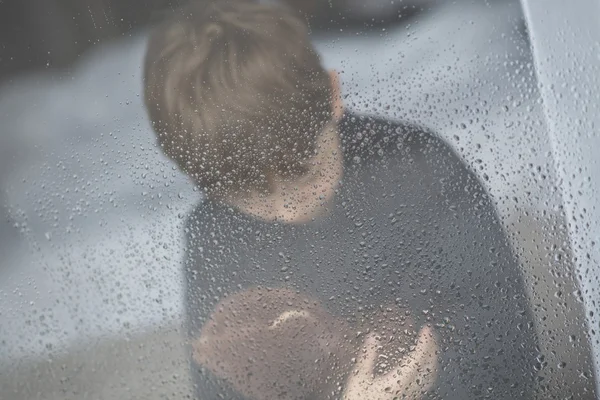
<point>284,199</point>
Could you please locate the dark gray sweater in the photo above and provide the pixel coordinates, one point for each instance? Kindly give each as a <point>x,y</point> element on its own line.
<point>410,224</point>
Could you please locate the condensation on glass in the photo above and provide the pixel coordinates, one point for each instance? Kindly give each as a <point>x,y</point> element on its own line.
<point>399,201</point>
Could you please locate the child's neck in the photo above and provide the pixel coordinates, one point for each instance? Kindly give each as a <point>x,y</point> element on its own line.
<point>307,198</point>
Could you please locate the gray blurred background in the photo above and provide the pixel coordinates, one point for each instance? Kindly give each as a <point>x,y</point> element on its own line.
<point>90,235</point>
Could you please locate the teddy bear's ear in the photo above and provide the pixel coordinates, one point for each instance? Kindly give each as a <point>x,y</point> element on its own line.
<point>291,316</point>
<point>202,349</point>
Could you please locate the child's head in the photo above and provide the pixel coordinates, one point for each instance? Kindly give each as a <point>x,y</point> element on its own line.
<point>236,94</point>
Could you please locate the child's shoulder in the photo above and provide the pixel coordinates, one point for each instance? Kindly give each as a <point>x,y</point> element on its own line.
<point>212,221</point>
<point>367,136</point>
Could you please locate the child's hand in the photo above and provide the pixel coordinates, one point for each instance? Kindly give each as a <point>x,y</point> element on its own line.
<point>415,373</point>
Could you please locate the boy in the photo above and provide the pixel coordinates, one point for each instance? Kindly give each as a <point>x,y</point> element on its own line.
<point>354,211</point>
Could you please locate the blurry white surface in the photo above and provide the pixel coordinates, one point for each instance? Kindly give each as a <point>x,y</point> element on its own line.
<point>566,44</point>
<point>98,210</point>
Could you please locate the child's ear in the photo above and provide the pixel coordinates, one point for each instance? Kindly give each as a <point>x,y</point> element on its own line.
<point>337,105</point>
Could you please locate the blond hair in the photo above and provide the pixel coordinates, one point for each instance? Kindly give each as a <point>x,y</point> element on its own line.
<point>236,94</point>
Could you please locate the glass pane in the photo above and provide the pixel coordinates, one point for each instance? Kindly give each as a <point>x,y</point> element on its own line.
<point>295,200</point>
